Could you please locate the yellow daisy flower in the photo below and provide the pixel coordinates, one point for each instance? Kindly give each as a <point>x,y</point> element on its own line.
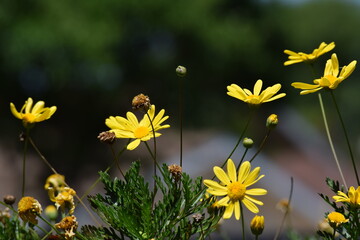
<point>257,97</point>
<point>353,196</point>
<point>331,79</point>
<point>28,209</point>
<point>335,219</point>
<point>308,58</point>
<point>234,188</point>
<point>30,114</point>
<point>130,127</point>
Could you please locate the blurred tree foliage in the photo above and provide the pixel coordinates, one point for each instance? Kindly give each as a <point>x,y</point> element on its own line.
<point>91,57</point>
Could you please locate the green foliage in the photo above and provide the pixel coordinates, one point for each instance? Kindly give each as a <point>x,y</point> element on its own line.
<point>132,209</point>
<point>350,229</point>
<point>12,228</point>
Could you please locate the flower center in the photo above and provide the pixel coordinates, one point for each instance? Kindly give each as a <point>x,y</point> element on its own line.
<point>330,79</point>
<point>28,117</point>
<point>236,191</point>
<point>141,132</point>
<point>253,99</point>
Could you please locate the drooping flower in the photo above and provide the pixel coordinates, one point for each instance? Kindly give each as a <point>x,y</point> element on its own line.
<point>69,225</point>
<point>257,97</point>
<point>335,219</point>
<point>64,199</point>
<point>28,209</point>
<point>30,114</point>
<point>331,79</point>
<point>353,196</point>
<point>56,182</point>
<point>308,58</point>
<point>257,225</point>
<point>130,127</point>
<point>234,187</point>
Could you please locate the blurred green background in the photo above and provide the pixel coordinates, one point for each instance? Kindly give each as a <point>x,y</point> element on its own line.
<point>89,58</point>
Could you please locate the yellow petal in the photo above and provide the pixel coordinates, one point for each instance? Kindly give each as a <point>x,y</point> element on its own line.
<point>224,201</point>
<point>134,144</point>
<point>237,210</point>
<point>28,105</point>
<point>304,86</point>
<point>215,185</point>
<point>254,200</point>
<point>256,191</point>
<point>250,205</point>
<point>14,111</point>
<point>244,171</point>
<point>252,176</point>
<point>231,170</point>
<point>38,107</point>
<point>221,175</point>
<point>335,65</point>
<point>228,211</point>
<point>257,87</point>
<point>216,192</point>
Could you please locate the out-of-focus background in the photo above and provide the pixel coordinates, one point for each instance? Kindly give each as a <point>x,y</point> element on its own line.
<point>89,58</point>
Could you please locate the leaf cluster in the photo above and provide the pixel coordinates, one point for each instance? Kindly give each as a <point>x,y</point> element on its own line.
<point>174,209</point>
<point>12,228</point>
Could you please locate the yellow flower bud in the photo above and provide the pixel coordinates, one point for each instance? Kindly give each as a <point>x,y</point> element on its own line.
<point>272,121</point>
<point>257,225</point>
<point>51,212</point>
<point>181,71</point>
<point>248,142</point>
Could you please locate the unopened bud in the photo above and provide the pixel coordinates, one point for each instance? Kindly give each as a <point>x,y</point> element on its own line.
<point>181,71</point>
<point>51,212</point>
<point>141,102</point>
<point>9,199</point>
<point>257,225</point>
<point>248,142</point>
<point>272,121</point>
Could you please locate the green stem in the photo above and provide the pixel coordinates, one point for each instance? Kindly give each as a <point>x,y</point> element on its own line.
<point>24,161</point>
<point>330,139</point>
<point>241,136</point>
<point>242,221</point>
<point>242,158</point>
<point>48,223</point>
<point>262,144</point>
<point>116,160</point>
<point>287,209</point>
<point>181,118</point>
<point>346,136</point>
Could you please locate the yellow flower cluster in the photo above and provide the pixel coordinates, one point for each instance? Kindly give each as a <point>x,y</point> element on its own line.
<point>28,209</point>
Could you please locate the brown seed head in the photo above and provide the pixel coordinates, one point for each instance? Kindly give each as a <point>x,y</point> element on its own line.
<point>9,199</point>
<point>141,102</point>
<point>107,137</point>
<point>175,171</point>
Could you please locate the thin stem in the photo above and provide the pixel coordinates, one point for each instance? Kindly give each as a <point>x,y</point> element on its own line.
<point>181,95</point>
<point>330,139</point>
<point>242,158</point>
<point>242,221</point>
<point>346,136</point>
<point>241,136</point>
<point>24,161</point>
<point>54,171</point>
<point>116,160</point>
<point>262,144</point>
<point>48,223</point>
<point>287,209</point>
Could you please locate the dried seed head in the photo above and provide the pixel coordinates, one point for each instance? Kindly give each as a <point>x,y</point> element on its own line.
<point>141,102</point>
<point>181,71</point>
<point>198,217</point>
<point>9,199</point>
<point>175,171</point>
<point>107,137</point>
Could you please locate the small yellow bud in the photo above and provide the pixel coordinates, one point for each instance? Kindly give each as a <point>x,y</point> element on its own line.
<point>257,225</point>
<point>248,142</point>
<point>181,71</point>
<point>272,121</point>
<point>51,212</point>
